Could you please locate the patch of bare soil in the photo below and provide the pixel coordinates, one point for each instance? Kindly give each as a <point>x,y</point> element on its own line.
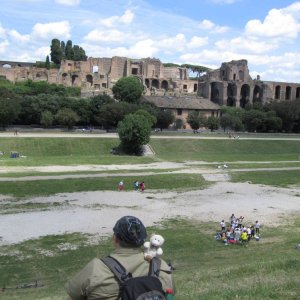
<point>96,212</point>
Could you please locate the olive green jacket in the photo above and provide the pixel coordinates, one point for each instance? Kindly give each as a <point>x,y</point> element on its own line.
<point>96,281</point>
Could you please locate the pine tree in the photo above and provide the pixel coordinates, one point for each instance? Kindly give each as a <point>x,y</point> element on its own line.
<point>55,51</point>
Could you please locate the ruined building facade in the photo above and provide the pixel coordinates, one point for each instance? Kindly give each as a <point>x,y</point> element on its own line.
<point>229,85</point>
<point>98,75</point>
<point>232,85</point>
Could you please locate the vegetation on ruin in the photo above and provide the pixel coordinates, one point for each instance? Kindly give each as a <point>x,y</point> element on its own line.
<point>60,50</point>
<point>193,68</point>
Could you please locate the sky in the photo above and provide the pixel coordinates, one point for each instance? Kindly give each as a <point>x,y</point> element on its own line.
<point>199,32</point>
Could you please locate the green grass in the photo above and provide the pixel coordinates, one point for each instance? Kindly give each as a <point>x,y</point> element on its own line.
<point>63,151</point>
<point>205,268</point>
<point>74,151</point>
<point>226,150</point>
<point>275,178</point>
<point>268,269</point>
<point>49,187</point>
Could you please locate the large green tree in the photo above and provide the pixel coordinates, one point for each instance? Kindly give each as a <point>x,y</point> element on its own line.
<point>128,89</point>
<point>164,119</point>
<point>195,119</point>
<point>9,111</point>
<point>67,117</point>
<point>134,132</point>
<point>56,51</point>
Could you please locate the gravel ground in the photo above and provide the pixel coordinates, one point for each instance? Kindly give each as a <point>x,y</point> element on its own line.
<point>96,212</point>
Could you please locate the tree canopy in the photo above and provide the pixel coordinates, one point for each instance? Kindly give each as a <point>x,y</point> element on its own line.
<point>134,132</point>
<point>128,89</point>
<point>59,51</point>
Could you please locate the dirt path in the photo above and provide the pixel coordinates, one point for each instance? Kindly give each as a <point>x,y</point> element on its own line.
<point>95,212</point>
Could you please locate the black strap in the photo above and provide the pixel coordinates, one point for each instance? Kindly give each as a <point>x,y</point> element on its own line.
<point>121,273</point>
<point>117,268</point>
<point>154,267</point>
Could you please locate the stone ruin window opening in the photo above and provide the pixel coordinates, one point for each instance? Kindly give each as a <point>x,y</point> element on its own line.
<point>234,77</point>
<point>298,93</point>
<point>223,75</point>
<point>89,79</point>
<point>288,92</point>
<point>179,111</point>
<point>104,85</point>
<point>214,97</point>
<point>257,94</point>
<point>134,71</point>
<point>95,69</point>
<point>74,79</point>
<point>147,83</point>
<point>164,85</point>
<point>245,93</point>
<point>241,75</point>
<point>195,87</point>
<point>231,95</point>
<point>277,92</point>
<point>97,86</point>
<point>185,87</point>
<point>155,83</point>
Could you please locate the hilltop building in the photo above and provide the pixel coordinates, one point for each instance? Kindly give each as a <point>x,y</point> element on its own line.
<point>168,87</point>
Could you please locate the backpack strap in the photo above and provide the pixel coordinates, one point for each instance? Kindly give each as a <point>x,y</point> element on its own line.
<point>117,268</point>
<point>121,273</point>
<point>154,267</point>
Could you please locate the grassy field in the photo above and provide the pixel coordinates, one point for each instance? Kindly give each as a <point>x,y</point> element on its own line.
<point>74,151</point>
<point>268,269</point>
<point>205,268</point>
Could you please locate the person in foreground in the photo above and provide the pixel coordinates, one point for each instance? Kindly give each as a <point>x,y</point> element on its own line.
<point>96,280</point>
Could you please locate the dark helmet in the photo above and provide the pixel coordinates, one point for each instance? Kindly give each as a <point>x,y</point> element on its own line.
<point>130,230</point>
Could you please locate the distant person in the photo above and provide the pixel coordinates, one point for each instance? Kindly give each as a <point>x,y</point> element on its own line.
<point>96,280</point>
<point>121,186</point>
<point>223,225</point>
<point>136,185</point>
<point>257,227</point>
<point>142,186</point>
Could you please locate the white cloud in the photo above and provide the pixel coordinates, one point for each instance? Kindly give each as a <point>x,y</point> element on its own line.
<point>126,18</point>
<point>176,43</point>
<point>2,32</point>
<point>246,44</point>
<point>52,30</point>
<point>197,42</point>
<point>212,27</point>
<point>42,52</point>
<point>144,48</point>
<point>3,46</point>
<point>112,35</point>
<point>19,37</point>
<point>277,24</point>
<point>68,2</point>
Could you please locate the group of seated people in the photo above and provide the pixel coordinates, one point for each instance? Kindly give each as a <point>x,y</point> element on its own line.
<point>236,232</point>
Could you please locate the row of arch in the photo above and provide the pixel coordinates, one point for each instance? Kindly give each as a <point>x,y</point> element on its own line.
<point>235,97</point>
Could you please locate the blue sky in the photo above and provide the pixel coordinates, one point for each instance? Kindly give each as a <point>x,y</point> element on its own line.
<point>201,32</point>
